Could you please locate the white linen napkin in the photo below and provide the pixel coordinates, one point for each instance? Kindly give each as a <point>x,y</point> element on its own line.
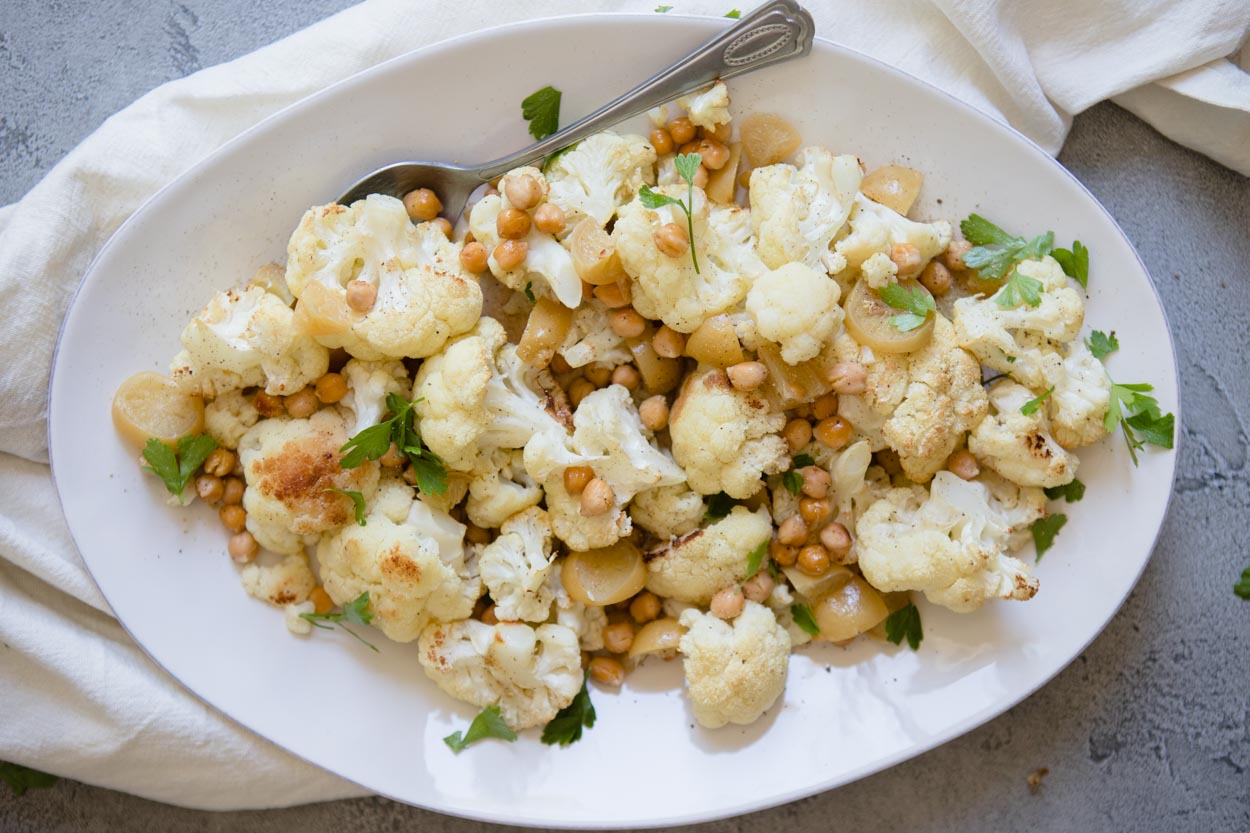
<point>80,699</point>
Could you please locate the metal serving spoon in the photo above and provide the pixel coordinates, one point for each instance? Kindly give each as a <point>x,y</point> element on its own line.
<point>775,32</point>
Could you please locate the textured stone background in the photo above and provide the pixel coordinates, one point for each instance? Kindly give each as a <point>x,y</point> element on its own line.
<point>1148,730</point>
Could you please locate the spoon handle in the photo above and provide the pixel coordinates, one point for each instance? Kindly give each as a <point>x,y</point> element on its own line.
<point>775,32</point>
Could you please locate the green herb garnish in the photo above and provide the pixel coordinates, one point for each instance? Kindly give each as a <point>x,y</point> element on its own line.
<point>1242,587</point>
<point>529,292</point>
<point>1045,530</point>
<point>687,166</point>
<point>1029,408</point>
<point>401,429</point>
<point>357,612</point>
<point>904,623</point>
<point>1139,418</point>
<point>1070,492</point>
<point>995,252</point>
<point>803,618</point>
<point>542,110</point>
<point>22,778</point>
<point>1102,345</point>
<point>917,302</point>
<point>756,557</point>
<point>489,723</point>
<point>733,14</point>
<point>566,727</point>
<point>358,502</point>
<point>176,468</point>
<point>663,9</point>
<point>718,506</point>
<point>1075,262</point>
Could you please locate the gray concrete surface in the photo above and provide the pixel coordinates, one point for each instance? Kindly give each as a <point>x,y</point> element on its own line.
<point>1148,731</point>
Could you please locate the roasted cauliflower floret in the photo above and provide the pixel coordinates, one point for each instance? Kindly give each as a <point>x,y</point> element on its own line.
<point>289,581</point>
<point>368,384</point>
<point>576,530</point>
<point>516,566</point>
<point>668,511</point>
<point>413,570</point>
<point>1082,395</point>
<point>878,229</point>
<point>289,466</point>
<point>693,567</point>
<point>590,338</point>
<point>499,488</point>
<point>529,672</point>
<point>725,438</point>
<point>796,307</point>
<point>587,621</point>
<point>709,107</point>
<point>227,418</point>
<point>423,297</point>
<point>736,670</point>
<point>243,339</point>
<point>1020,446</point>
<point>667,287</point>
<point>951,543</point>
<point>600,174</point>
<point>796,212</point>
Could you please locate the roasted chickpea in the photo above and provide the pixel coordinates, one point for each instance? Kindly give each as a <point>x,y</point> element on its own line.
<point>322,603</point>
<point>714,154</point>
<point>361,295</point>
<point>511,253</point>
<point>614,295</point>
<point>953,257</point>
<point>936,278</point>
<point>618,637</point>
<point>597,498</point>
<point>606,671</point>
<point>268,405</point>
<point>783,554</point>
<point>627,323</point>
<point>443,225</point>
<point>523,191</point>
<point>302,404</point>
<point>815,510</point>
<point>797,433</point>
<point>576,478</point>
<point>728,602</point>
<point>668,343</point>
<point>672,240</point>
<point>837,540</point>
<point>627,376</point>
<point>906,257</point>
<point>963,464</point>
<point>816,481</point>
<point>220,462</point>
<point>209,488</point>
<point>661,141</point>
<point>233,517</point>
<point>242,547</point>
<point>850,378</point>
<point>758,587</point>
<point>792,532</point>
<point>474,258</point>
<point>653,411</point>
<point>232,490</point>
<point>747,375</point>
<point>681,130</point>
<point>512,224</point>
<point>834,432</point>
<point>645,607</point>
<point>549,218</point>
<point>423,205</point>
<point>825,406</point>
<point>393,457</point>
<point>814,560</point>
<point>330,388</point>
<point>598,374</point>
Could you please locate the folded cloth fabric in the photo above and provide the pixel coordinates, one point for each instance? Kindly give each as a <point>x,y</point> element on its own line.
<point>80,699</point>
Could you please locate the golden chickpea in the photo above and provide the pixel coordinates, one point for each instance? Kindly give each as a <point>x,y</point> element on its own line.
<point>618,637</point>
<point>576,478</point>
<point>781,553</point>
<point>361,295</point>
<point>963,464</point>
<point>681,130</point>
<point>825,406</point>
<point>797,433</point>
<point>513,224</point>
<point>793,531</point>
<point>209,488</point>
<point>330,388</point>
<point>597,498</point>
<point>653,411</point>
<point>242,547</point>
<point>906,257</point>
<point>837,540</point>
<point>423,205</point>
<point>661,141</point>
<point>474,258</point>
<point>474,534</point>
<point>233,517</point>
<point>560,365</point>
<point>671,239</point>
<point>268,405</point>
<point>689,147</point>
<point>511,253</point>
<point>579,389</point>
<point>443,225</point>
<point>747,375</point>
<point>850,378</point>
<point>953,257</point>
<point>728,602</point>
<point>814,560</point>
<point>627,323</point>
<point>220,462</point>
<point>597,374</point>
<point>523,191</point>
<point>549,218</point>
<point>393,457</point>
<point>302,404</point>
<point>714,154</point>
<point>816,481</point>
<point>668,343</point>
<point>232,491</point>
<point>489,617</point>
<point>627,376</point>
<point>614,295</point>
<point>645,607</point>
<point>606,671</point>
<point>814,510</point>
<point>322,603</point>
<point>721,132</point>
<point>936,278</point>
<point>758,587</point>
<point>834,432</point>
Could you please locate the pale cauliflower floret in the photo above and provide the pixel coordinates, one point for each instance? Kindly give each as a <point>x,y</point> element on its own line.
<point>423,295</point>
<point>368,384</point>
<point>516,565</point>
<point>1020,340</point>
<point>736,670</point>
<point>590,339</point>
<point>950,543</point>
<point>1019,505</point>
<point>668,288</point>
<point>708,107</point>
<point>878,270</point>
<point>477,396</point>
<point>500,488</point>
<point>878,229</point>
<point>289,581</point>
<point>548,266</point>
<point>693,567</point>
<point>414,570</point>
<point>529,672</point>
<point>781,603</point>
<point>227,418</point>
<point>796,212</point>
<point>293,617</point>
<point>577,531</point>
<point>1082,395</point>
<point>394,498</point>
<point>288,466</point>
<point>1020,446</point>
<point>598,176</point>
<point>246,338</point>
<point>796,307</point>
<point>725,438</point>
<point>668,511</point>
<point>587,621</point>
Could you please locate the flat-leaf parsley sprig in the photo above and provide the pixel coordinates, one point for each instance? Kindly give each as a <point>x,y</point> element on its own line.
<point>916,303</point>
<point>687,166</point>
<point>566,727</point>
<point>176,468</point>
<point>489,723</point>
<point>1132,409</point>
<point>997,253</point>
<point>401,429</point>
<point>356,611</point>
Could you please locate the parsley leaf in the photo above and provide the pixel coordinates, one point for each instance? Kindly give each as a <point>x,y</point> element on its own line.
<point>1075,262</point>
<point>802,461</point>
<point>358,502</point>
<point>1242,587</point>
<point>566,726</point>
<point>1029,408</point>
<point>541,109</point>
<point>981,232</point>
<point>357,612</point>
<point>489,723</point>
<point>401,429</point>
<point>1101,344</point>
<point>733,15</point>
<point>1019,289</point>
<point>687,165</point>
<point>904,623</point>
<point>916,301</point>
<point>1139,417</point>
<point>1070,492</point>
<point>177,468</point>
<point>718,506</point>
<point>793,481</point>
<point>529,292</point>
<point>663,9</point>
<point>756,557</point>
<point>995,251</point>
<point>1045,531</point>
<point>803,618</point>
<point>22,778</point>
